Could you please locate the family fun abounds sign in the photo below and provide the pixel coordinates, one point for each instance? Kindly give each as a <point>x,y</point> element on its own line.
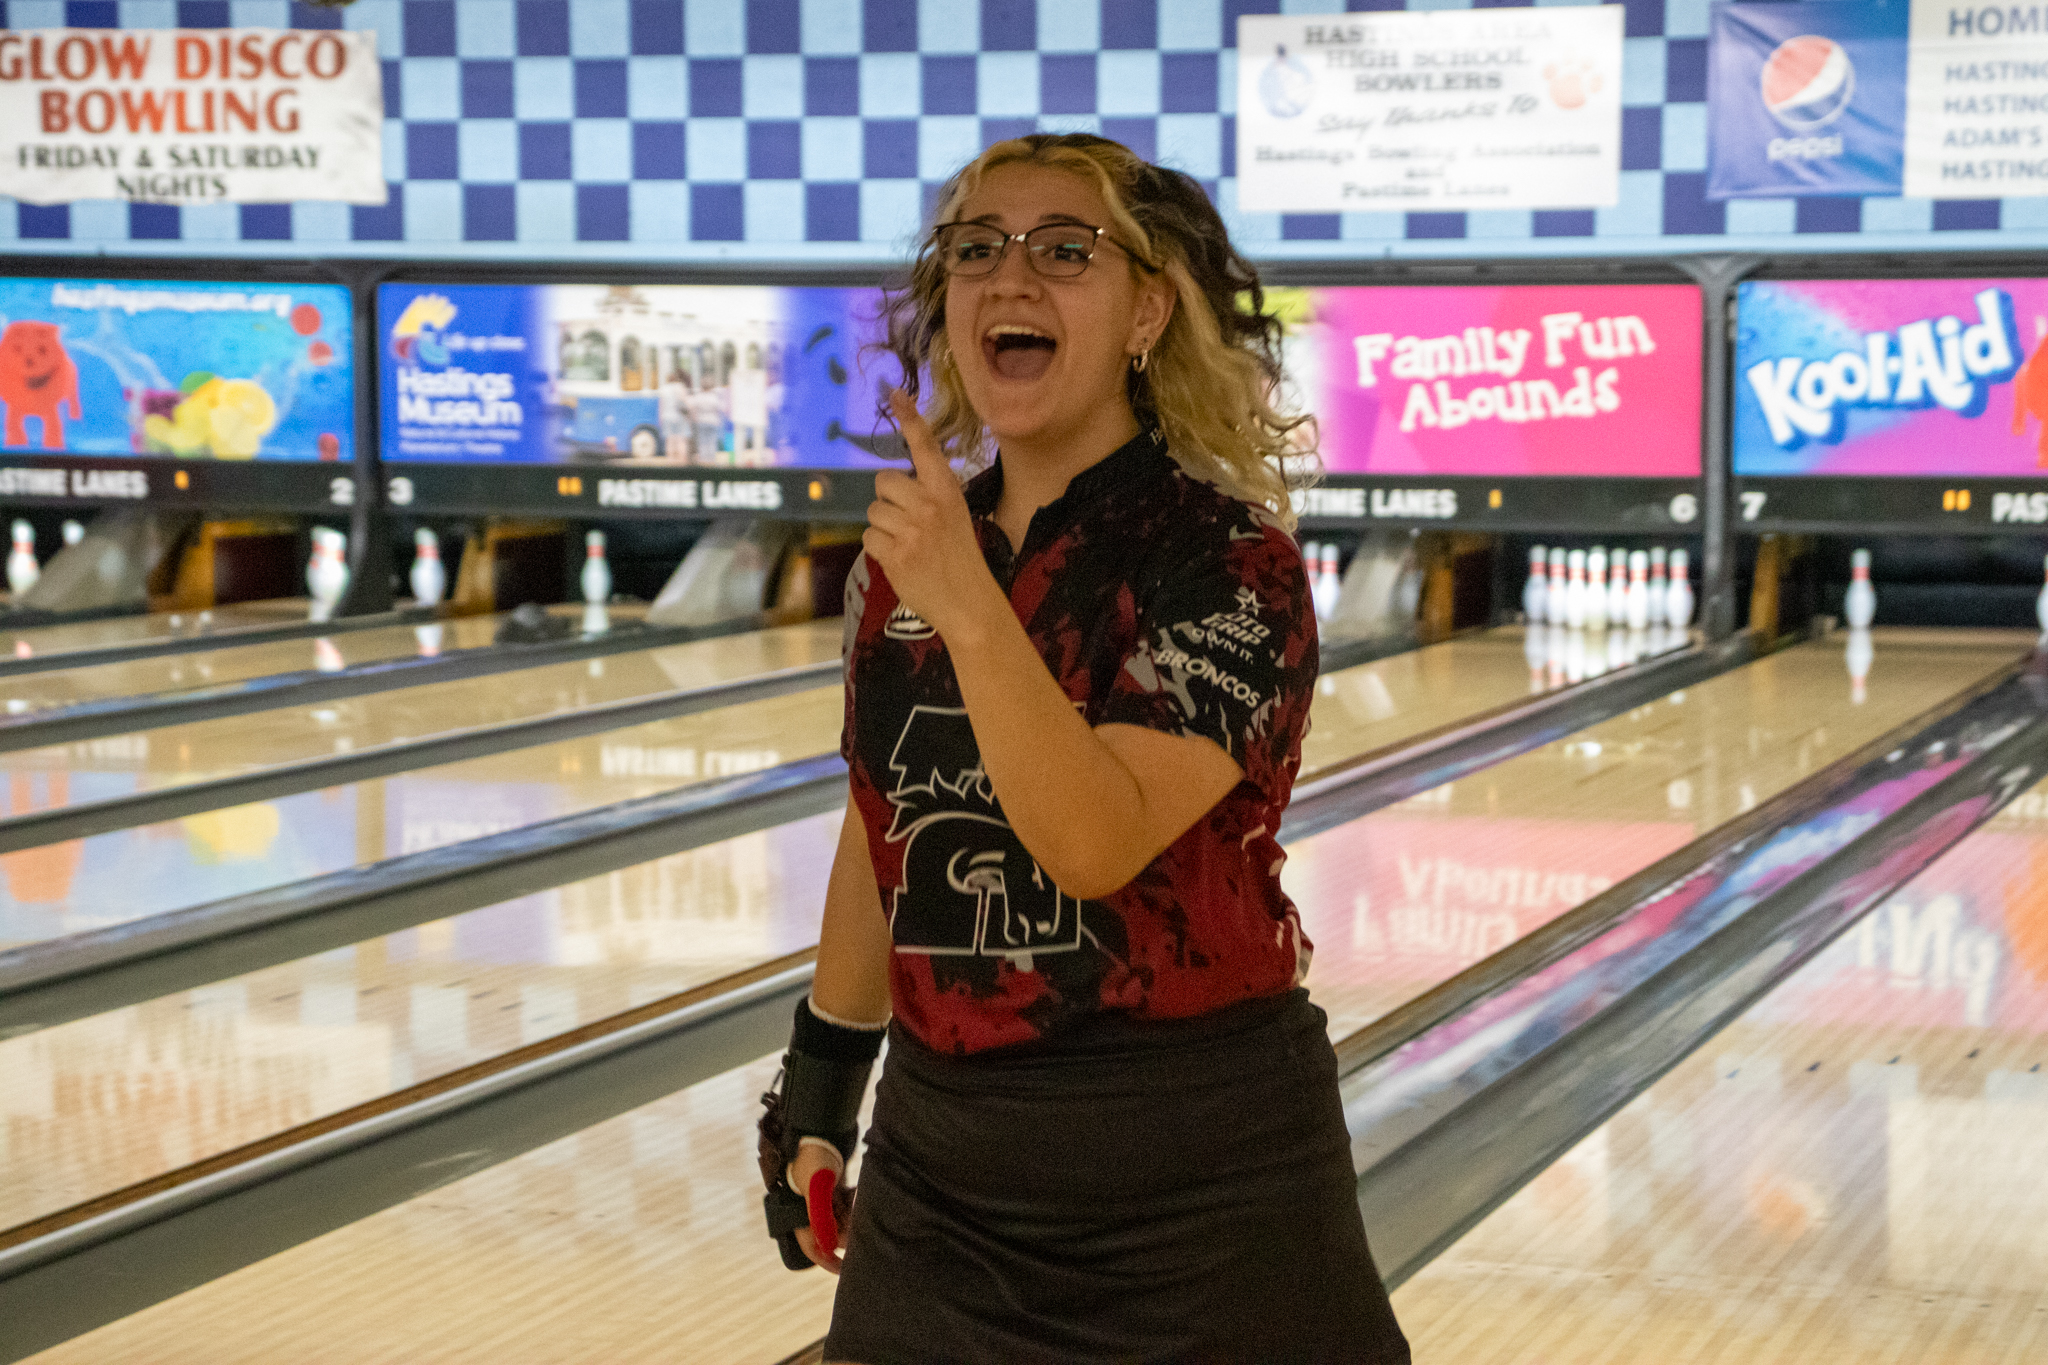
<point>191,116</point>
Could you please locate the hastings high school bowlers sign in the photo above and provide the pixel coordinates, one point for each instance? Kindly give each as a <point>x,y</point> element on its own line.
<point>191,116</point>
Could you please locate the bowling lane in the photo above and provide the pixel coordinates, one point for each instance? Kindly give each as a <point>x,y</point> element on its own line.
<point>130,874</point>
<point>34,641</point>
<point>87,883</point>
<point>173,755</point>
<point>1851,1171</point>
<point>1415,893</point>
<point>68,888</point>
<point>1375,950</point>
<point>31,692</point>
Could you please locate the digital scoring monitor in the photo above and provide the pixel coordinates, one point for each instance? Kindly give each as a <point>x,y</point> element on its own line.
<point>176,391</point>
<point>627,398</point>
<point>1918,403</point>
<point>1562,404</point>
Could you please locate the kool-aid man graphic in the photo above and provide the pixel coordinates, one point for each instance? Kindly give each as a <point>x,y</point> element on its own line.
<point>37,378</point>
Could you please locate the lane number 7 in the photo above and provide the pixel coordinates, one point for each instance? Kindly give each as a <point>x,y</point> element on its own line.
<point>1752,505</point>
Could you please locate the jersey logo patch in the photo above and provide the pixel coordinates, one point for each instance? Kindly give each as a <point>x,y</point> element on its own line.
<point>969,885</point>
<point>905,624</point>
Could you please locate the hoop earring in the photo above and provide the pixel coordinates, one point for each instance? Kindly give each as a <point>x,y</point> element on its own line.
<point>1141,360</point>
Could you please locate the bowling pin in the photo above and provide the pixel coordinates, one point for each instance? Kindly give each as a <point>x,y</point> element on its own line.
<point>22,569</point>
<point>1554,596</point>
<point>597,619</point>
<point>1861,603</point>
<point>1535,649</point>
<point>1575,592</point>
<point>1535,588</point>
<point>1596,589</point>
<point>429,575</point>
<point>597,574</point>
<point>1617,588</point>
<point>327,572</point>
<point>1332,582</point>
<point>73,532</point>
<point>1637,611</point>
<point>2041,602</point>
<point>1657,585</point>
<point>1312,560</point>
<point>1678,600</point>
<point>1859,655</point>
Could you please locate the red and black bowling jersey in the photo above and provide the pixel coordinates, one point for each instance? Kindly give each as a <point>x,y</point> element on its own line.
<point>1156,600</point>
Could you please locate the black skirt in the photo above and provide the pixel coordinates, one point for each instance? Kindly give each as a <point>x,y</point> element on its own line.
<point>1142,1192</point>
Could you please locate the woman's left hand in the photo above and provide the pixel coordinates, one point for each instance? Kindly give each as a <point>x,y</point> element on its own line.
<point>921,533</point>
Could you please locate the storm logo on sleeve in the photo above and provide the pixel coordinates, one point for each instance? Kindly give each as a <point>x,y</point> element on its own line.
<point>969,886</point>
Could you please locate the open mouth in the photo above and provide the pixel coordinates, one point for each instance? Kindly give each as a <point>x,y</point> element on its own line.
<point>1015,351</point>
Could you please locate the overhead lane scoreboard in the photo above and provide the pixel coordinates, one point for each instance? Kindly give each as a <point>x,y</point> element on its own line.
<point>202,393</point>
<point>1897,404</point>
<point>1509,407</point>
<point>632,399</point>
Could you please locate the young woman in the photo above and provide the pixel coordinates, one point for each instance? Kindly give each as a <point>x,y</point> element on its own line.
<point>1108,1128</point>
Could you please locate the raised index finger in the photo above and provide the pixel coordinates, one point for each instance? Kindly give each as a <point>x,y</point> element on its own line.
<point>925,456</point>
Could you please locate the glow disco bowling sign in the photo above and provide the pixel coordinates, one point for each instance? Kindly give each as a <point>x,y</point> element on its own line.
<point>1892,377</point>
<point>176,368</point>
<point>1519,380</point>
<point>1806,98</point>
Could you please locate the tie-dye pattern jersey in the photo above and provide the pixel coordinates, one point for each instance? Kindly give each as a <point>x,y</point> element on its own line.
<point>1155,600</point>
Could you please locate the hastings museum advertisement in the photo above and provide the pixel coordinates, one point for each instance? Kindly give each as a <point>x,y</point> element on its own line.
<point>190,116</point>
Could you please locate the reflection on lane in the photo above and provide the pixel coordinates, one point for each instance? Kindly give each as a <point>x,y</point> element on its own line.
<point>1853,1164</point>
<point>29,642</point>
<point>33,692</point>
<point>129,874</point>
<point>666,1246</point>
<point>1411,895</point>
<point>173,755</point>
<point>99,1103</point>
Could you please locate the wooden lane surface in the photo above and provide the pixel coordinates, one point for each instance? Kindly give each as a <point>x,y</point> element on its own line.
<point>131,873</point>
<point>1851,1171</point>
<point>176,755</point>
<point>1453,875</point>
<point>32,692</point>
<point>278,1047</point>
<point>145,627</point>
<point>637,1239</point>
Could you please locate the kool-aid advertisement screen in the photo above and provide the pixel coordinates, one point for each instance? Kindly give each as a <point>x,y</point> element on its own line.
<point>1516,380</point>
<point>176,368</point>
<point>644,375</point>
<point>1897,377</point>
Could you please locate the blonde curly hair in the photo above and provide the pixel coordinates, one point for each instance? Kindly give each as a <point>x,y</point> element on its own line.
<point>1214,377</point>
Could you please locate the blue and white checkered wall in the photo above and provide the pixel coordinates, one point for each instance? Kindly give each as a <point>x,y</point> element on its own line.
<point>818,130</point>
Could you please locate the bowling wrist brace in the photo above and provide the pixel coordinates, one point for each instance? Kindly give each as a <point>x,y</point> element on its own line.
<point>818,1095</point>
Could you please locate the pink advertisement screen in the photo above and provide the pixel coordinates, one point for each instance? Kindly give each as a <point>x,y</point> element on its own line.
<point>1513,381</point>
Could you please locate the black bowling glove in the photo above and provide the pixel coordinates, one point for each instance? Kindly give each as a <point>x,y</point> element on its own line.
<point>817,1094</point>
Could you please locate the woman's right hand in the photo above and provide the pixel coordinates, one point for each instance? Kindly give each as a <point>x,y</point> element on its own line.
<point>812,1157</point>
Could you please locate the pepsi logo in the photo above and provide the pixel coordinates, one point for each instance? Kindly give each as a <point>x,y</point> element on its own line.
<point>1808,81</point>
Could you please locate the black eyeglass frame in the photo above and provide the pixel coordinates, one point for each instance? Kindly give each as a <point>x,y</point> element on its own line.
<point>996,262</point>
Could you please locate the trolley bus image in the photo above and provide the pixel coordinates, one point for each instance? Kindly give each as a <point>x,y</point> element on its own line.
<point>673,374</point>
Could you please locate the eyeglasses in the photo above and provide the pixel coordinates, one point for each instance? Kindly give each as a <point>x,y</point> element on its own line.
<point>1055,250</point>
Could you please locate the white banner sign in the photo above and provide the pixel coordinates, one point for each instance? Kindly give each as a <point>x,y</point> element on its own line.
<point>1977,101</point>
<point>1444,110</point>
<point>191,116</point>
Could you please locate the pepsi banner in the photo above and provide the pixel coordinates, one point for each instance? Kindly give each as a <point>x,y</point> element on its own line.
<point>1806,99</point>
